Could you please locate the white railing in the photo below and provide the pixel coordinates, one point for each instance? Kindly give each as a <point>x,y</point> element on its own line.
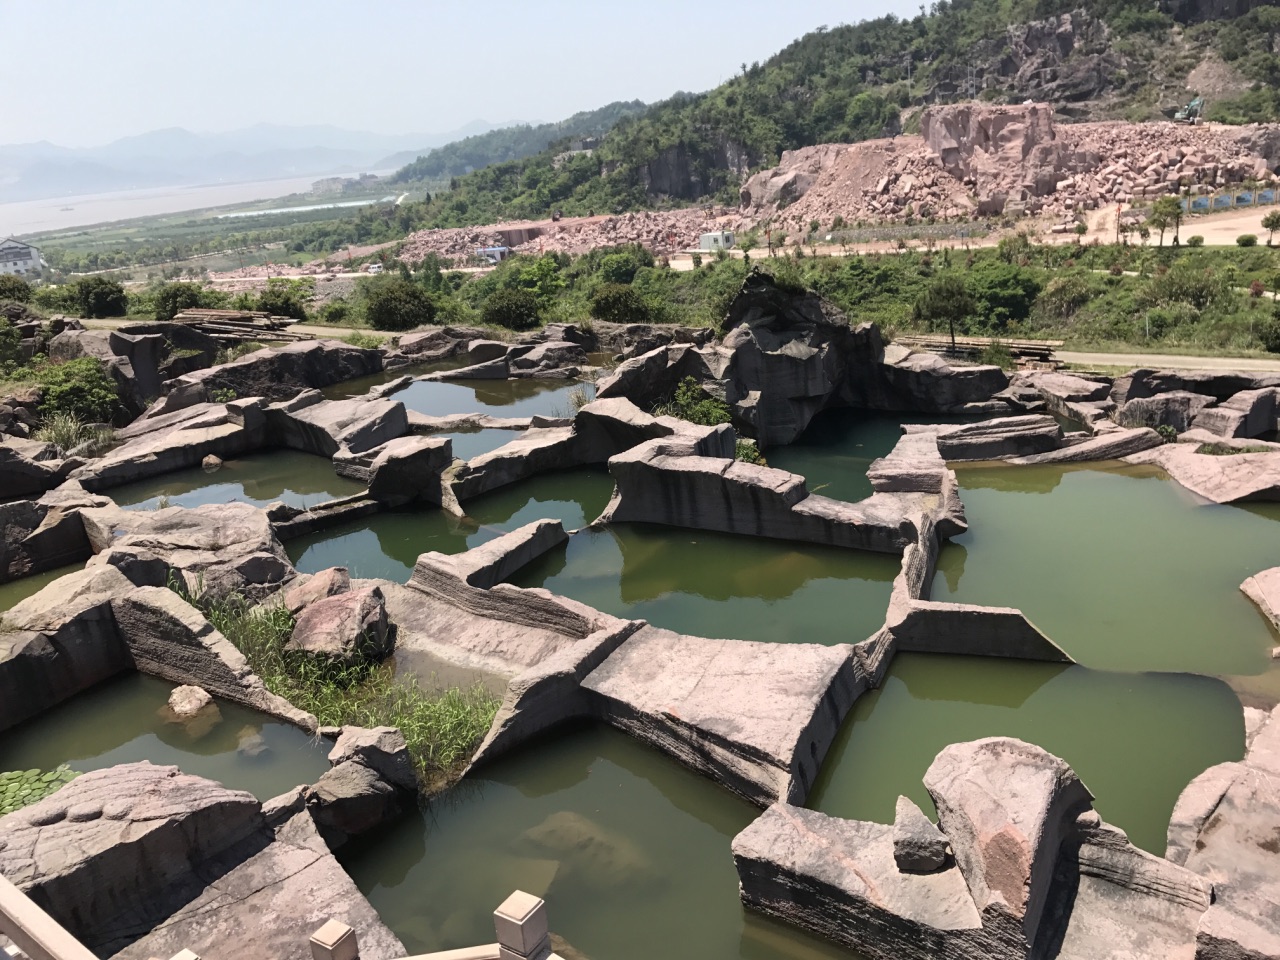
<point>36,934</point>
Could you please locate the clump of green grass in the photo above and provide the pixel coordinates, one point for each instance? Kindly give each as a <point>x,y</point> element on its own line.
<point>997,354</point>
<point>748,452</point>
<point>442,730</point>
<point>21,788</point>
<point>1226,450</point>
<point>66,431</point>
<point>365,341</point>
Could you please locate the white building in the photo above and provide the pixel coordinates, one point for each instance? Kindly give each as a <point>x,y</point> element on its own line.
<point>20,258</point>
<point>721,240</point>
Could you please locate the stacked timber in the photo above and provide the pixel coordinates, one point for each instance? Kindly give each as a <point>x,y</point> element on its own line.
<point>239,326</point>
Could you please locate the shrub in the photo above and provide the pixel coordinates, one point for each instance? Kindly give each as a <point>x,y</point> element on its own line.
<point>1167,433</point>
<point>365,341</point>
<point>397,304</point>
<point>287,298</point>
<point>14,288</point>
<point>337,311</point>
<point>1269,332</point>
<point>1195,241</point>
<point>618,303</point>
<point>515,309</point>
<point>100,297</point>
<point>80,387</point>
<point>690,403</point>
<point>170,299</point>
<point>1256,289</point>
<point>619,267</point>
<point>748,452</point>
<point>1247,240</point>
<point>66,431</point>
<point>996,354</point>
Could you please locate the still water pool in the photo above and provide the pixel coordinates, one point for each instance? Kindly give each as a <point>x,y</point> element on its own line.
<point>298,479</point>
<point>121,721</point>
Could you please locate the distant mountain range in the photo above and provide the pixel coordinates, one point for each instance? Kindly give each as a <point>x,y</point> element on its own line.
<point>176,157</point>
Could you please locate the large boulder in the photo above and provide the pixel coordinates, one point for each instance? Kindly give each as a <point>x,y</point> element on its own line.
<point>1006,806</point>
<point>348,628</point>
<point>1176,409</point>
<point>26,471</point>
<point>218,549</point>
<point>44,534</point>
<point>371,781</point>
<point>918,845</point>
<point>1250,413</point>
<point>326,583</point>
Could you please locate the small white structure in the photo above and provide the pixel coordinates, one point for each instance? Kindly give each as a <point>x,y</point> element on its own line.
<point>373,268</point>
<point>20,259</point>
<point>721,240</point>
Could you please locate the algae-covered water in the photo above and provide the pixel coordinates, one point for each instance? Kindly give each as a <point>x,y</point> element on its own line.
<point>629,848</point>
<point>387,545</point>
<point>121,721</point>
<point>298,479</point>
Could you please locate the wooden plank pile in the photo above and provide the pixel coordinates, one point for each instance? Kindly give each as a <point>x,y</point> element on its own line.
<point>1040,351</point>
<point>230,327</point>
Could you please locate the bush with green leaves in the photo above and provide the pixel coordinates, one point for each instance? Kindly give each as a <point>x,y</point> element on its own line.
<point>285,297</point>
<point>1247,240</point>
<point>170,299</point>
<point>1269,332</point>
<point>1195,241</point>
<point>10,345</point>
<point>80,387</point>
<point>619,303</point>
<point>365,341</point>
<point>515,309</point>
<point>14,288</point>
<point>393,303</point>
<point>100,297</point>
<point>690,403</point>
<point>619,267</point>
<point>66,431</point>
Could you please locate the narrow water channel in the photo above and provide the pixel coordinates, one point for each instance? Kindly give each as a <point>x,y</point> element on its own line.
<point>629,848</point>
<point>499,398</point>
<point>298,479</point>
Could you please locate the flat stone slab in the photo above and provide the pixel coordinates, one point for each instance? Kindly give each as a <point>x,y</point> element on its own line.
<point>1221,479</point>
<point>757,717</point>
<point>1113,445</point>
<point>1264,590</point>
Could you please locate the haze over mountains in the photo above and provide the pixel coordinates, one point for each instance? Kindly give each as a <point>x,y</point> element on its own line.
<point>178,157</point>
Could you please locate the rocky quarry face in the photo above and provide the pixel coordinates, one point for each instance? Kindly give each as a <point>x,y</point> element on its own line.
<point>981,159</point>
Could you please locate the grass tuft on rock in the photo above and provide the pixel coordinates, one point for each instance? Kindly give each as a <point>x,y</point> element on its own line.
<point>441,729</point>
<point>1226,450</point>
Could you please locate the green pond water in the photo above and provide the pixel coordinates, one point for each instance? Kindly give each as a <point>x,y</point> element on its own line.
<point>471,444</point>
<point>1120,566</point>
<point>120,721</point>
<point>717,585</point>
<point>15,591</point>
<point>298,479</point>
<point>629,848</point>
<point>499,398</point>
<point>387,545</point>
<point>1135,739</point>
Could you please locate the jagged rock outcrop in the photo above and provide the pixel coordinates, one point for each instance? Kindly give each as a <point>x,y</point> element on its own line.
<point>1036,873</point>
<point>136,848</point>
<point>1249,413</point>
<point>1224,828</point>
<point>1176,409</point>
<point>276,373</point>
<point>29,468</point>
<point>44,534</point>
<point>217,549</point>
<point>996,439</point>
<point>371,781</point>
<point>918,845</point>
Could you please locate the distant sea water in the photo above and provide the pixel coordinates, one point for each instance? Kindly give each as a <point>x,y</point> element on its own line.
<point>61,213</point>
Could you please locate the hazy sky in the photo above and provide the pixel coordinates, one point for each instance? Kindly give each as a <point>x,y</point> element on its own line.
<point>102,69</point>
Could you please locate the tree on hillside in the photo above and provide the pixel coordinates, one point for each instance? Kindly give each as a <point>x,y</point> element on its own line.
<point>945,299</point>
<point>397,304</point>
<point>1271,223</point>
<point>100,297</point>
<point>14,288</point>
<point>1166,213</point>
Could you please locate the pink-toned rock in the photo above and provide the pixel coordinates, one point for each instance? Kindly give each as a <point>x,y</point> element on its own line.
<point>1220,479</point>
<point>326,583</point>
<point>187,701</point>
<point>346,628</point>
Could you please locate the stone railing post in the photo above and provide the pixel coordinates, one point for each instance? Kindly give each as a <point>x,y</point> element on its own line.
<point>521,925</point>
<point>334,941</point>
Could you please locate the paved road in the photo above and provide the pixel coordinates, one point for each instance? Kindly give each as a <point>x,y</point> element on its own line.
<point>1168,361</point>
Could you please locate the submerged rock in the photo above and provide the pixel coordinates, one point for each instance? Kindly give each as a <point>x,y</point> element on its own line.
<point>588,851</point>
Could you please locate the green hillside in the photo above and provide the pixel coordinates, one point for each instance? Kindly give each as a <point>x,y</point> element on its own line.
<point>513,143</point>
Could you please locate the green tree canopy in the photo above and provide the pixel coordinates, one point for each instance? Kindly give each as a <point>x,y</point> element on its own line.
<point>397,304</point>
<point>14,288</point>
<point>946,300</point>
